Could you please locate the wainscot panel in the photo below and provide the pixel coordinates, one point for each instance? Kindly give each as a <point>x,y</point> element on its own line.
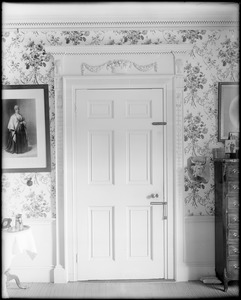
<point>40,269</point>
<point>199,246</point>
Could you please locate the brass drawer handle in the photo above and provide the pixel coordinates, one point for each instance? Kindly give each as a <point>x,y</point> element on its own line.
<point>234,171</point>
<point>236,251</point>
<point>235,219</point>
<point>235,234</point>
<point>236,267</point>
<point>235,187</point>
<point>235,204</point>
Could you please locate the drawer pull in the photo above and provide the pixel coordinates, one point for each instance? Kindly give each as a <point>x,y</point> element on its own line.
<point>235,204</point>
<point>234,171</point>
<point>236,267</point>
<point>235,219</point>
<point>235,234</point>
<point>235,187</point>
<point>236,251</point>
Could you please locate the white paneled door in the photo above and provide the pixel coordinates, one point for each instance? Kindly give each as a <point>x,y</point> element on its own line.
<point>119,167</point>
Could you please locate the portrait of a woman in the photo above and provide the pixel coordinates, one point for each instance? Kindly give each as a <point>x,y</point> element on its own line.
<point>17,133</point>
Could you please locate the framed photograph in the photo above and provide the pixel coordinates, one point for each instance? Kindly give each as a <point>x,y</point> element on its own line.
<point>25,128</point>
<point>228,109</point>
<point>230,146</point>
<point>234,136</point>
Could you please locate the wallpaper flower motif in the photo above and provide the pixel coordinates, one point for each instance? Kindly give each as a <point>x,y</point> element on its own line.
<point>194,130</point>
<point>197,196</point>
<point>214,57</point>
<point>194,81</point>
<point>229,54</point>
<point>75,37</point>
<point>34,58</point>
<point>192,35</point>
<point>26,193</point>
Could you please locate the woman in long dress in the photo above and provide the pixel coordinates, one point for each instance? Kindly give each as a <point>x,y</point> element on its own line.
<point>17,138</point>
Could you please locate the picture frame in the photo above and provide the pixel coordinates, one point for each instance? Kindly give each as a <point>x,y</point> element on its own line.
<point>25,128</point>
<point>233,136</point>
<point>228,109</point>
<point>230,146</point>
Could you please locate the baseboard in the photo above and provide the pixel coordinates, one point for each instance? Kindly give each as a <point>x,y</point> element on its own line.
<point>34,274</point>
<point>196,272</point>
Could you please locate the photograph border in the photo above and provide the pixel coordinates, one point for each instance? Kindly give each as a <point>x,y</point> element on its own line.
<point>45,104</point>
<point>220,100</point>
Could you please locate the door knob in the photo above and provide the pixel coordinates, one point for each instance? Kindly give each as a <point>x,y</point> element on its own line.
<point>154,195</point>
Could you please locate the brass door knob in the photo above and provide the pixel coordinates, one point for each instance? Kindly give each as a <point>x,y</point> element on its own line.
<point>154,195</point>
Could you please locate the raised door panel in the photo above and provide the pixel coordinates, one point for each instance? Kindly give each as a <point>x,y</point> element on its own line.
<point>100,109</point>
<point>139,109</point>
<point>139,232</point>
<point>138,146</point>
<point>100,157</point>
<point>100,233</point>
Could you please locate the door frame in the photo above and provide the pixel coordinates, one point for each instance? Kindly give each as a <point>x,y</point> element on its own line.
<point>169,59</point>
<point>71,85</point>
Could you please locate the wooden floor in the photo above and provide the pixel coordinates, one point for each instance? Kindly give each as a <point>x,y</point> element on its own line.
<point>123,289</point>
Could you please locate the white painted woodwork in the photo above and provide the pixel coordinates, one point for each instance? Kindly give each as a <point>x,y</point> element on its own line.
<point>100,161</point>
<point>199,246</point>
<point>119,162</point>
<point>169,76</point>
<point>40,269</point>
<point>125,15</point>
<point>100,234</point>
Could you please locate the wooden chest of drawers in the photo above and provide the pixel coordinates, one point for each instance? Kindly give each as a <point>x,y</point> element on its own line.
<point>226,220</point>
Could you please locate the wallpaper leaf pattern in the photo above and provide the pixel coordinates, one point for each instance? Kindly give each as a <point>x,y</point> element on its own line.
<point>214,57</point>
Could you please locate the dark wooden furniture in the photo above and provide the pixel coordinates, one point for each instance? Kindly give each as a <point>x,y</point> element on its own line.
<point>226,220</point>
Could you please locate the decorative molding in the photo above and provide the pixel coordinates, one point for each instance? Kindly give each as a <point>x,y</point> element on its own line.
<point>139,24</point>
<point>198,219</point>
<point>175,79</point>
<point>117,67</point>
<point>119,50</point>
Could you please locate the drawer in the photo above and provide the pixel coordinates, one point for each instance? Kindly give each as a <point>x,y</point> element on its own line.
<point>233,171</point>
<point>233,268</point>
<point>233,202</point>
<point>233,218</point>
<point>233,251</point>
<point>233,187</point>
<point>233,235</point>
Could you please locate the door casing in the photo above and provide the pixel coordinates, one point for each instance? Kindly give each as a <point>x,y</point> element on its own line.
<point>73,83</point>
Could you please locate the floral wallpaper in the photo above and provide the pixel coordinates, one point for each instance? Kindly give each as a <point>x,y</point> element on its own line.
<point>214,57</point>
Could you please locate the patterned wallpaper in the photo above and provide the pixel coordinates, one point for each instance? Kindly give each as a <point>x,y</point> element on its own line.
<point>214,57</point>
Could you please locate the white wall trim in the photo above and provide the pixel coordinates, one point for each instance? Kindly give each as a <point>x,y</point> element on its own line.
<point>63,227</point>
<point>119,49</point>
<point>159,20</point>
<point>39,221</point>
<point>34,273</point>
<point>198,219</point>
<point>200,232</point>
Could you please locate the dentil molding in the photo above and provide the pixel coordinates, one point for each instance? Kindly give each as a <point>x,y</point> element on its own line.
<point>57,24</point>
<point>119,49</point>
